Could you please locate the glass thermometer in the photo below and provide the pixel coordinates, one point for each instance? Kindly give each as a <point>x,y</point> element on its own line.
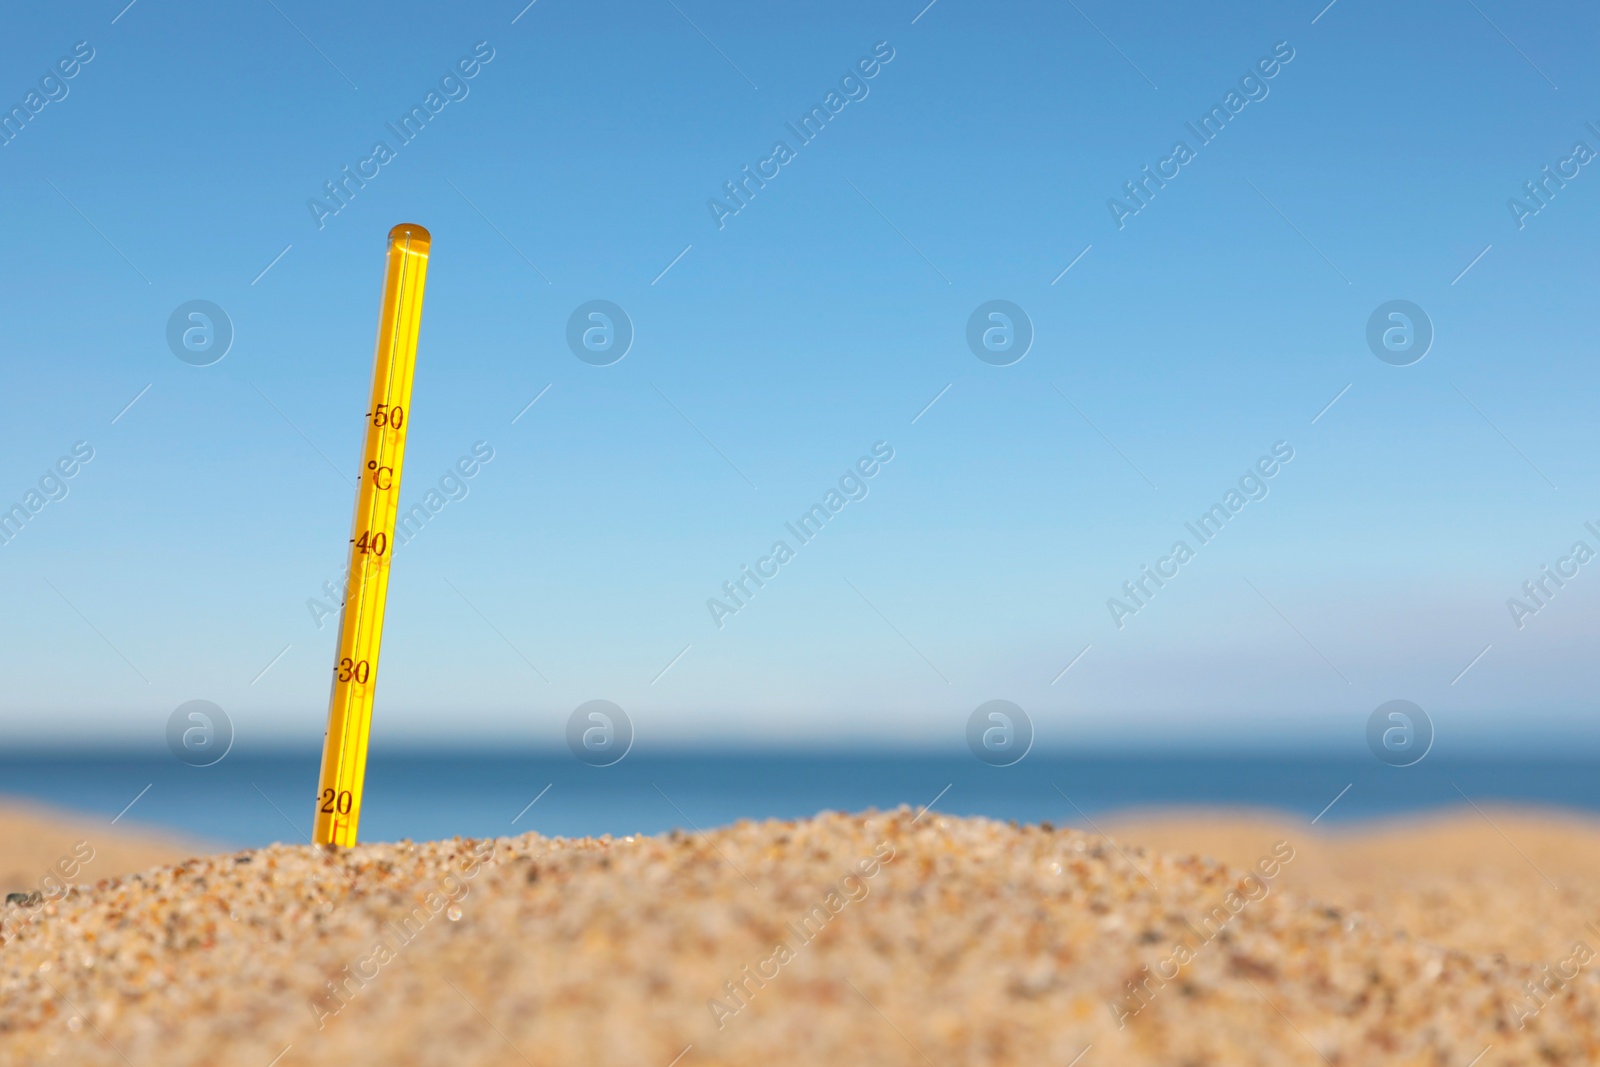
<point>355,666</point>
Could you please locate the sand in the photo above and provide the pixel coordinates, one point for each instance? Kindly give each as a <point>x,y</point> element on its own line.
<point>1518,882</point>
<point>882,938</point>
<point>34,839</point>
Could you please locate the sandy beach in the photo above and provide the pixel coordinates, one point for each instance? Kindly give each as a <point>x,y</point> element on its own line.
<point>33,840</point>
<point>1236,938</point>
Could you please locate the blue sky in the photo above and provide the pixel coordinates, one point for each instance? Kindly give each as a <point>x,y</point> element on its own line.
<point>820,319</point>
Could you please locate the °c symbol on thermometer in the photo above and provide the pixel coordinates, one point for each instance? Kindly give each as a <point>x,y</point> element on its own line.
<point>379,474</point>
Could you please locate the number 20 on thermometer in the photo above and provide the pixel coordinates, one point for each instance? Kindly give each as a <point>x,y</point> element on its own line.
<point>355,667</point>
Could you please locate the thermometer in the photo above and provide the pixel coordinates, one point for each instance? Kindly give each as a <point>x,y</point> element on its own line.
<point>355,665</point>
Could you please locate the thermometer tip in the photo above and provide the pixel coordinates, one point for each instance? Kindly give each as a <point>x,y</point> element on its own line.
<point>417,237</point>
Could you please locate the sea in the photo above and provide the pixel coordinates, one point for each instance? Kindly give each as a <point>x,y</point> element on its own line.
<point>250,800</point>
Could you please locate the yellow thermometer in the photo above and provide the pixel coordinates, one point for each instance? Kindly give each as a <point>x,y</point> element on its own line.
<point>355,665</point>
